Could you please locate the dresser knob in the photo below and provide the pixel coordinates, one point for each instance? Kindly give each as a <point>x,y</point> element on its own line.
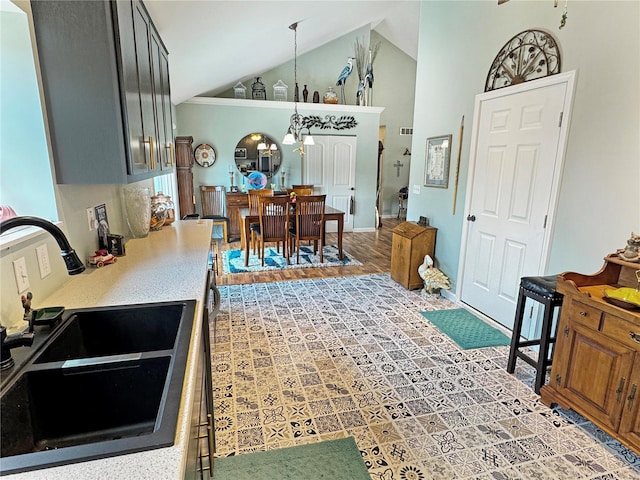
<point>635,336</point>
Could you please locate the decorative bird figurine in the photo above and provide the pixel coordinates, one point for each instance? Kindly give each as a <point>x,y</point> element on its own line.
<point>344,74</point>
<point>428,263</point>
<point>369,72</point>
<point>360,93</point>
<point>434,279</point>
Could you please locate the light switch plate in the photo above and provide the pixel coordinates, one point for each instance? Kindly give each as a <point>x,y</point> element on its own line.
<point>43,260</point>
<point>91,219</point>
<point>416,189</point>
<point>22,278</point>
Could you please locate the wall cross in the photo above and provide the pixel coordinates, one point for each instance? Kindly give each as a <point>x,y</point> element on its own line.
<point>398,165</point>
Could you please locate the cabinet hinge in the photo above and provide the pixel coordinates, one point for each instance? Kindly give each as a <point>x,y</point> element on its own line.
<point>560,119</point>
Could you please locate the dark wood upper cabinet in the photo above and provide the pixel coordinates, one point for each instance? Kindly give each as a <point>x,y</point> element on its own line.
<point>106,87</point>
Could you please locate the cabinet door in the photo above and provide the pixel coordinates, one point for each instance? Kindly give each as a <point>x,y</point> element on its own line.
<point>163,104</point>
<point>630,423</point>
<point>169,147</point>
<point>136,163</point>
<point>597,374</point>
<point>401,259</point>
<point>144,138</point>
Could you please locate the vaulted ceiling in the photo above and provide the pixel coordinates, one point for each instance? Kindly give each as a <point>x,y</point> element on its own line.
<point>213,44</point>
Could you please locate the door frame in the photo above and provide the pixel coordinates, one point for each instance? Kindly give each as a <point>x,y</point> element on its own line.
<point>569,78</point>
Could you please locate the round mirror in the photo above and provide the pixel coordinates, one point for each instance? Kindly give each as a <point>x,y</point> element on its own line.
<point>257,152</point>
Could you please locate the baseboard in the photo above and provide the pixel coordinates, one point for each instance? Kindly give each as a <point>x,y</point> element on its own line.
<point>449,295</point>
<point>364,229</point>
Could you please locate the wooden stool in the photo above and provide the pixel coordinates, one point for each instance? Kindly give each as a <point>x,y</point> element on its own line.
<point>542,290</point>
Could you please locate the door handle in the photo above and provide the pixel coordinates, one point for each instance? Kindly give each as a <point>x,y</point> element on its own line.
<point>351,205</point>
<point>471,218</point>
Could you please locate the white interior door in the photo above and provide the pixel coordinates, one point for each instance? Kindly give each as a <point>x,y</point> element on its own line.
<point>516,168</point>
<point>330,165</point>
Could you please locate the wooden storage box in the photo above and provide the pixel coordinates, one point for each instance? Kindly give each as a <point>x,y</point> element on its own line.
<point>410,243</point>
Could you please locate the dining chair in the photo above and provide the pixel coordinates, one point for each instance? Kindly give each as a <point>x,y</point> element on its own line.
<point>309,223</point>
<point>300,190</point>
<point>213,199</point>
<point>253,197</point>
<point>273,213</point>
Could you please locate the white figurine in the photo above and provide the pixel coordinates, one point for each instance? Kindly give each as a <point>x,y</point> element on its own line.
<point>434,279</point>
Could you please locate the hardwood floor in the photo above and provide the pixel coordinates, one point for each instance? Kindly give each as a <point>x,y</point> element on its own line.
<point>373,249</point>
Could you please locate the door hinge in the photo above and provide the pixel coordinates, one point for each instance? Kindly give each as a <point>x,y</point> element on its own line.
<point>544,225</point>
<point>560,119</point>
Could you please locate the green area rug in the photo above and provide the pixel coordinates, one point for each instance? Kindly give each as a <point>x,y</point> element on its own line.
<point>331,460</point>
<point>467,330</point>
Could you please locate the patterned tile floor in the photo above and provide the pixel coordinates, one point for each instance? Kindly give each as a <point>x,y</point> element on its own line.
<point>312,360</point>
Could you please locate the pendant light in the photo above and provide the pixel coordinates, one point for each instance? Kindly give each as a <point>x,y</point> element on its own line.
<point>294,133</point>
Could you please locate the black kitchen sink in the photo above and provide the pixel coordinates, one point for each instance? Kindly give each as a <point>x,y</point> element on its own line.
<point>107,382</point>
<point>97,333</point>
<point>120,400</point>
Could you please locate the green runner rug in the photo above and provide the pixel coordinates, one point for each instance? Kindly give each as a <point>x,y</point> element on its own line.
<point>331,460</point>
<point>467,330</point>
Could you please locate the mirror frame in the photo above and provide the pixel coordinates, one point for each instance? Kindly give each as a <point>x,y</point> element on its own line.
<point>248,158</point>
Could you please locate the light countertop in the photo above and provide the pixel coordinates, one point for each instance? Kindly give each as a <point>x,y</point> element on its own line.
<point>169,264</point>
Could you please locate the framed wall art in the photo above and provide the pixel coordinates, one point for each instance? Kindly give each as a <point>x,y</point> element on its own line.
<point>437,159</point>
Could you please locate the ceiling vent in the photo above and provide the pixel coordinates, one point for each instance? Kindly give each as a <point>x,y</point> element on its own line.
<point>406,130</point>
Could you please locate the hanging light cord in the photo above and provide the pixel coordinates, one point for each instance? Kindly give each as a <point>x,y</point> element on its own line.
<point>296,119</point>
<point>296,124</point>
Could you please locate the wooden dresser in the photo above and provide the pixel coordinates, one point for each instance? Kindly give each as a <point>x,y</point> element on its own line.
<point>409,244</point>
<point>235,201</point>
<point>596,364</point>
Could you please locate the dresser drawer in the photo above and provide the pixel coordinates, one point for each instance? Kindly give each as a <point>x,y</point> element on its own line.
<point>622,331</point>
<point>237,200</point>
<point>584,314</point>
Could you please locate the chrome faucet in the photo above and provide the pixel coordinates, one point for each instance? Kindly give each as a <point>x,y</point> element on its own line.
<point>74,267</point>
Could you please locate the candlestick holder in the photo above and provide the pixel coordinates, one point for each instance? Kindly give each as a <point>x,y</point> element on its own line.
<point>232,177</point>
<point>282,176</point>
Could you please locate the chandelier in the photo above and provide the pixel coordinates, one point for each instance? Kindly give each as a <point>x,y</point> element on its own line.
<point>296,125</point>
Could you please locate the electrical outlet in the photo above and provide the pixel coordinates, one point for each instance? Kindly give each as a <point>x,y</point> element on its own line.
<point>22,278</point>
<point>91,218</point>
<point>416,189</point>
<point>43,260</point>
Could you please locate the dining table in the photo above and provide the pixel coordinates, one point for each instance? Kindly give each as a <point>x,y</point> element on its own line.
<point>246,219</point>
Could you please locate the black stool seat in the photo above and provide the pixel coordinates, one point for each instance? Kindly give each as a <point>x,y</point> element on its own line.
<point>542,286</point>
<point>542,290</point>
